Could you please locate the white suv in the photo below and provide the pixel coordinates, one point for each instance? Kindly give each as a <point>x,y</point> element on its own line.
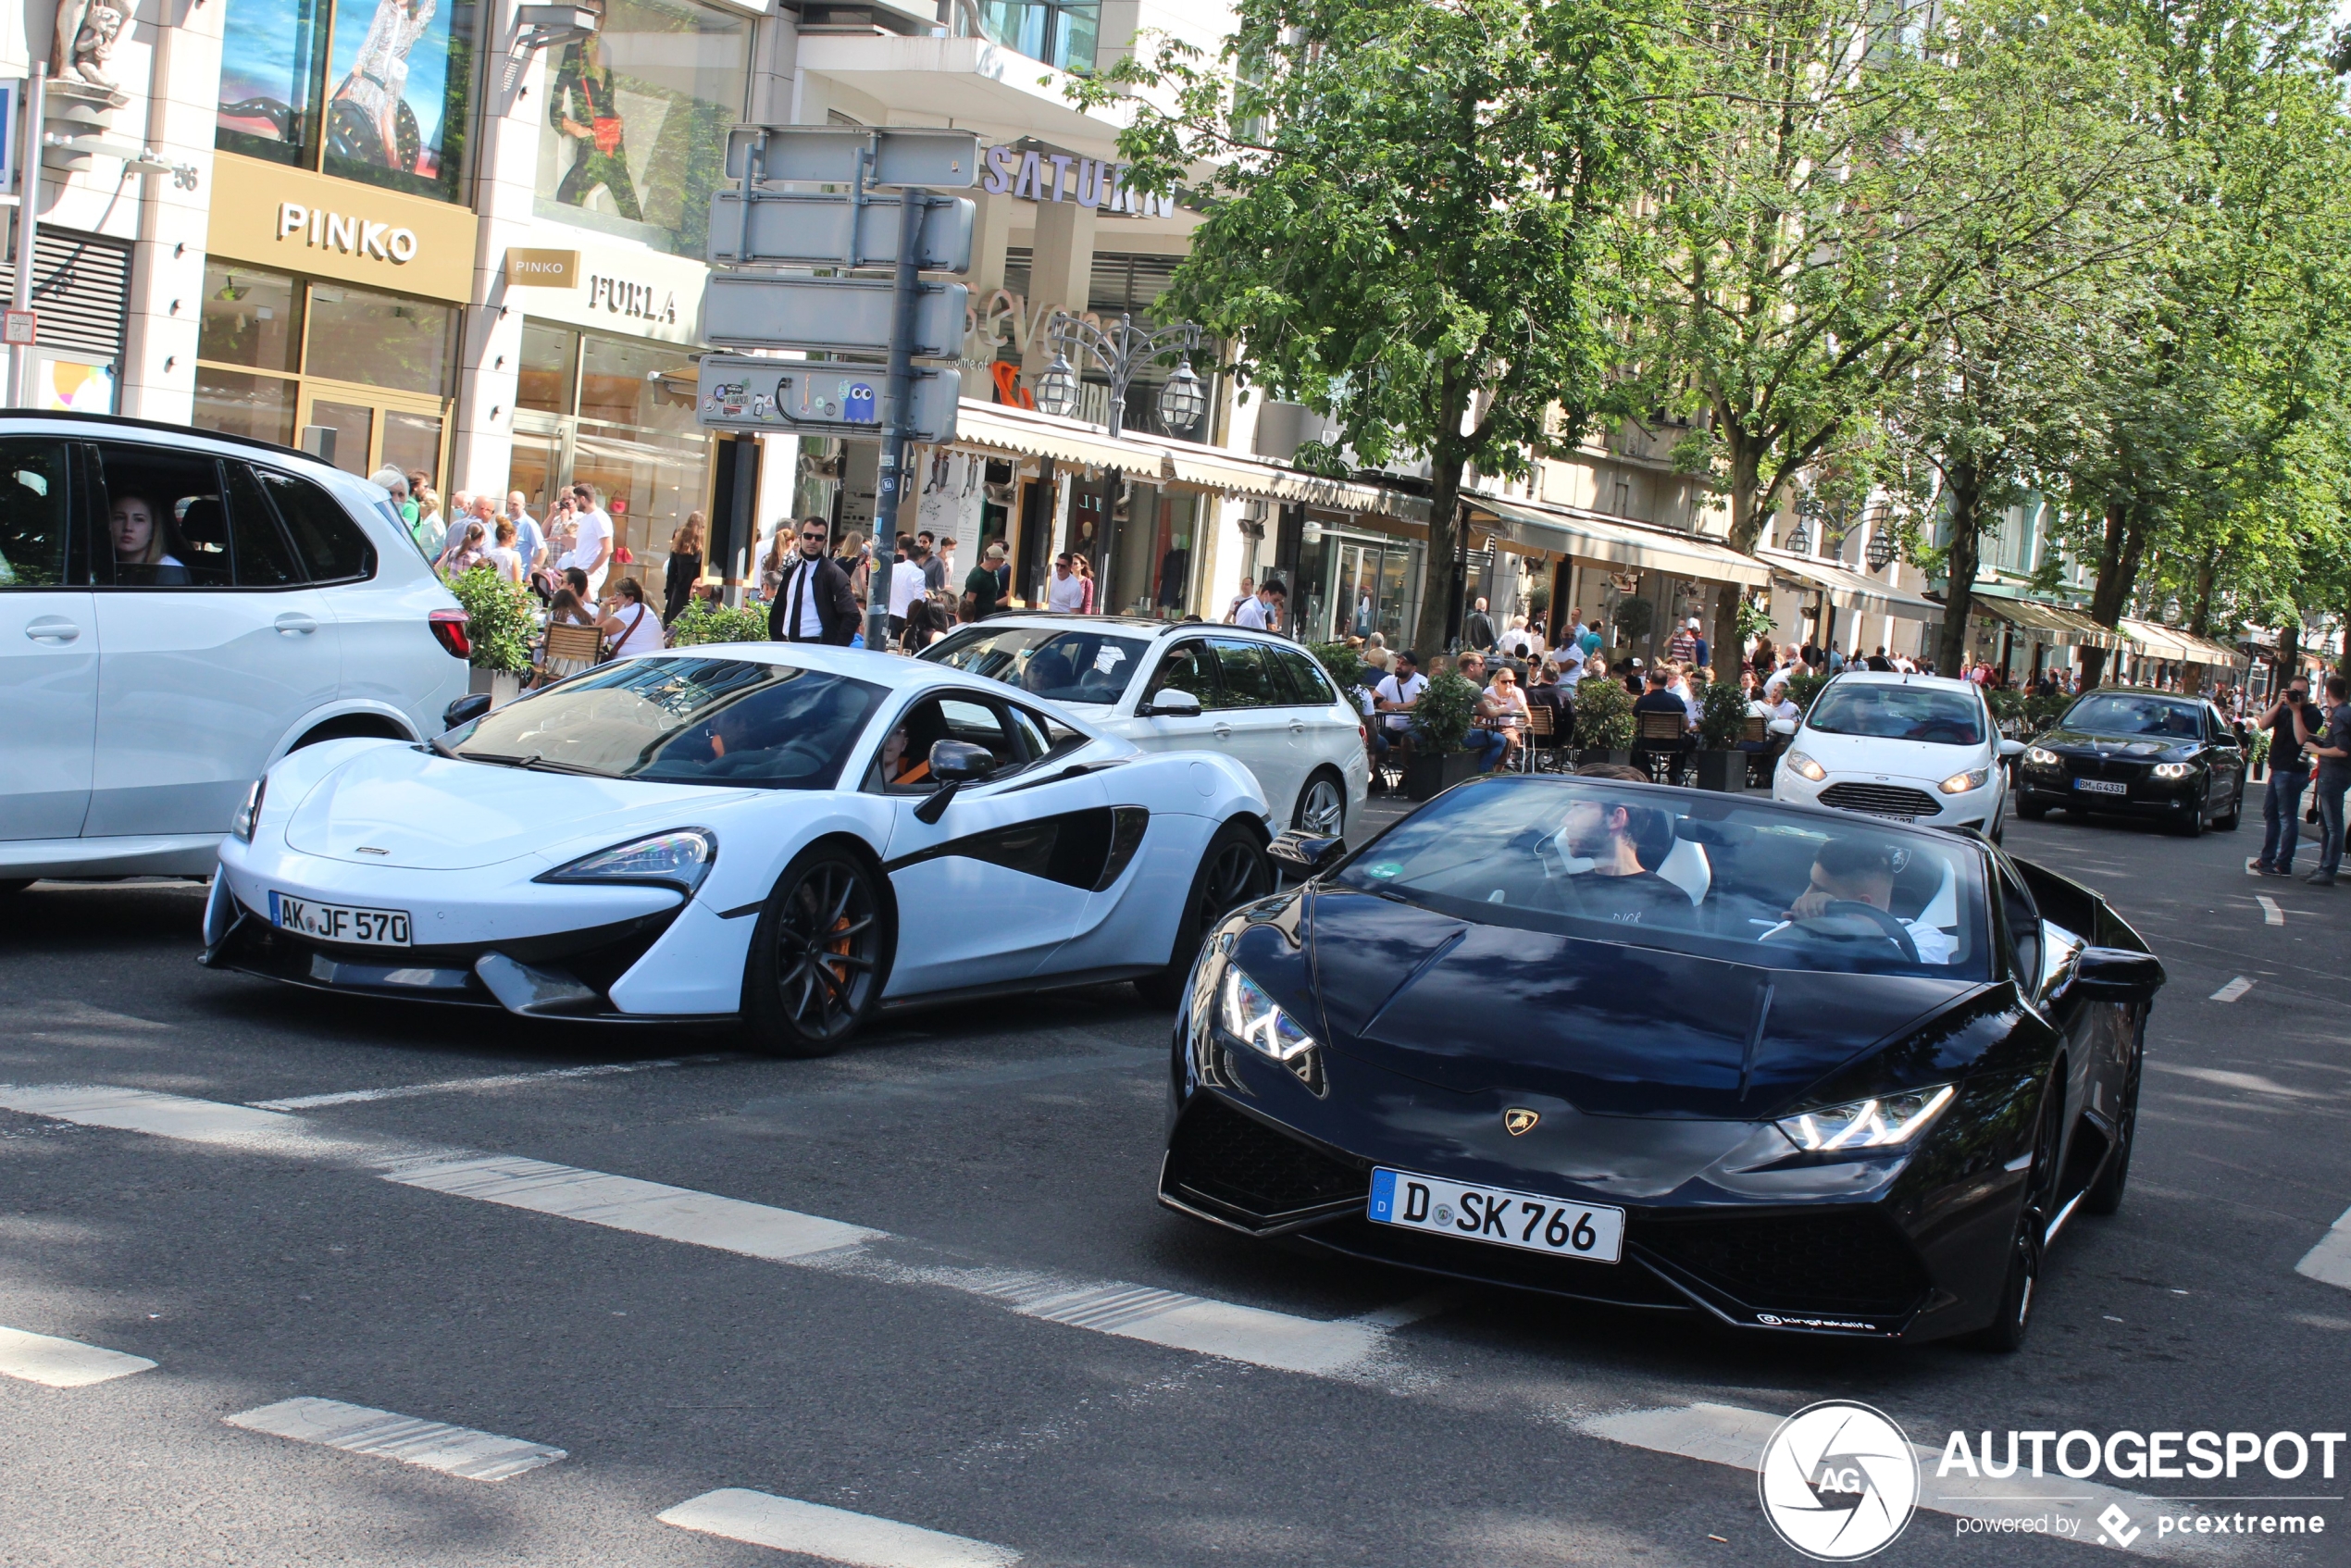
<point>178,610</point>
<point>1919,748</point>
<point>1185,686</point>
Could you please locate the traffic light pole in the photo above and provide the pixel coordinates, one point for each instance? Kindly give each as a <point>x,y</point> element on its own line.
<point>912,206</point>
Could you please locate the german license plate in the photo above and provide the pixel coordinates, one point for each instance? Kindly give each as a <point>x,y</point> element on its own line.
<point>2102,787</point>
<point>1525,1220</point>
<point>339,923</point>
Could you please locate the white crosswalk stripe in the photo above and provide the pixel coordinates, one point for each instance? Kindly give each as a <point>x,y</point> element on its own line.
<point>833,1534</point>
<point>432,1445</point>
<point>63,1364</point>
<point>1280,1341</point>
<point>2330,1261</point>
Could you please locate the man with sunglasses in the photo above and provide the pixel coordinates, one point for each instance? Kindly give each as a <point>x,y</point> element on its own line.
<point>813,600</point>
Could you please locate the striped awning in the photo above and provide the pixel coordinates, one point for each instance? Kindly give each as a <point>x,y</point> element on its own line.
<point>1849,590</point>
<point>2048,623</point>
<point>1588,536</point>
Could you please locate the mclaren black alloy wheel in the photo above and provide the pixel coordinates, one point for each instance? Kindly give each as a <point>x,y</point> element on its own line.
<point>2106,1193</point>
<point>1233,870</point>
<point>1322,805</point>
<point>2006,1329</point>
<point>820,954</point>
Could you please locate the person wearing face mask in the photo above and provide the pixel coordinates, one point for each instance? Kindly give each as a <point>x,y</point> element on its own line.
<point>143,544</point>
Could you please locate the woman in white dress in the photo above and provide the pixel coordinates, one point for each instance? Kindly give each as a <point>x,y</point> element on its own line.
<point>380,76</point>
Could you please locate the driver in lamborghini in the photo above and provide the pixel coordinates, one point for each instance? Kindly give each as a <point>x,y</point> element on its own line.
<point>1848,872</point>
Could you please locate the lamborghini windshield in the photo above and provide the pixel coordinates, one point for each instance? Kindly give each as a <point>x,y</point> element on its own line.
<point>1716,875</point>
<point>681,720</point>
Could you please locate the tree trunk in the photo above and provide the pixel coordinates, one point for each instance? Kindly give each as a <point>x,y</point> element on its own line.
<point>1747,512</point>
<point>2208,572</point>
<point>2118,559</point>
<point>1447,464</point>
<point>1965,490</point>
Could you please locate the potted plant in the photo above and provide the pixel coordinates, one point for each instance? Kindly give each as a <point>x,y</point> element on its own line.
<point>702,622</point>
<point>1802,689</point>
<point>1439,721</point>
<point>1603,721</point>
<point>500,625</point>
<point>1722,721</point>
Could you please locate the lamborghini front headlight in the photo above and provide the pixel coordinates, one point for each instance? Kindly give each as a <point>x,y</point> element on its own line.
<point>1867,1124</point>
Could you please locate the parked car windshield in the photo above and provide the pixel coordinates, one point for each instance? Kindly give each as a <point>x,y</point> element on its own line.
<point>1074,666</point>
<point>1899,713</point>
<point>1723,877</point>
<point>2122,713</point>
<point>682,720</point>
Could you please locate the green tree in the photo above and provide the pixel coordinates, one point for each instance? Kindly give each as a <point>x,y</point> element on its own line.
<point>1410,208</point>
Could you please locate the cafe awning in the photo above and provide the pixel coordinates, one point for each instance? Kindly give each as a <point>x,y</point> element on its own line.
<point>1588,536</point>
<point>2048,623</point>
<point>2154,642</point>
<point>995,427</point>
<point>1849,590</point>
<point>1239,473</point>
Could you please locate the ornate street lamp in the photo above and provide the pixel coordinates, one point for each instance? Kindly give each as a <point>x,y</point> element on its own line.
<point>2171,611</point>
<point>1057,392</point>
<point>1799,539</point>
<point>1121,351</point>
<point>1881,550</point>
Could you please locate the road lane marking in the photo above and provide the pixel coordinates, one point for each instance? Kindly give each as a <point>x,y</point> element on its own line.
<point>2234,989</point>
<point>467,1086</point>
<point>2252,1083</point>
<point>1279,1342</point>
<point>432,1444</point>
<point>62,1364</point>
<point>2270,914</point>
<point>1727,1435</point>
<point>836,1535</point>
<point>647,1208</point>
<point>2330,1261</point>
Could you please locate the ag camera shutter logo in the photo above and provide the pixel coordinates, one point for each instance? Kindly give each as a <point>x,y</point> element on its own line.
<point>1838,1481</point>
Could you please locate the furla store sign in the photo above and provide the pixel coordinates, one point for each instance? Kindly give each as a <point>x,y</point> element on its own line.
<point>635,293</point>
<point>1036,174</point>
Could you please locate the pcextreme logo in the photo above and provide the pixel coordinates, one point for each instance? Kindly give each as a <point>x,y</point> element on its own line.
<point>1838,1481</point>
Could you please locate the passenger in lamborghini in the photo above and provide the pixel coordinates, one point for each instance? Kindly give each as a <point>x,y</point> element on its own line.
<point>1623,840</point>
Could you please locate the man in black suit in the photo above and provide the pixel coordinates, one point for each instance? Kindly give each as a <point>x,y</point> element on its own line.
<point>812,601</point>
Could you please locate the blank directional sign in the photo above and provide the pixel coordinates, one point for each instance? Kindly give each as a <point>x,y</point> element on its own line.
<point>793,396</point>
<point>817,230</point>
<point>830,154</point>
<point>847,314</point>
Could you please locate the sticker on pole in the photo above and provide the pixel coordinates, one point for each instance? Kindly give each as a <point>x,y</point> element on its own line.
<point>19,328</point>
<point>1838,1481</point>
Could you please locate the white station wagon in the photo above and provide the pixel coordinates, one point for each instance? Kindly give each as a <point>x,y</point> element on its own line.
<point>1187,686</point>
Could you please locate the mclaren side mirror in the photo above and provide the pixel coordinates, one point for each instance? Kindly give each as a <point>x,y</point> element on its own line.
<point>1170,703</point>
<point>464,710</point>
<point>1298,855</point>
<point>2116,974</point>
<point>2011,748</point>
<point>953,764</point>
<point>1782,727</point>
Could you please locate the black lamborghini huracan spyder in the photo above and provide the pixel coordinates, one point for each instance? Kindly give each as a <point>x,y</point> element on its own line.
<point>1803,1071</point>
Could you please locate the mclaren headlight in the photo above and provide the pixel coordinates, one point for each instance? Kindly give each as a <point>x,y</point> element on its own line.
<point>1960,783</point>
<point>241,824</point>
<point>1257,1020</point>
<point>1805,766</point>
<point>1867,1124</point>
<point>2040,756</point>
<point>679,858</point>
<point>2174,769</point>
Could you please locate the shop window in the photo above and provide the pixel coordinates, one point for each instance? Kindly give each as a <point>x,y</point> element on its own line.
<point>252,318</point>
<point>240,404</point>
<point>381,340</point>
<point>630,381</point>
<point>550,358</point>
<point>377,90</point>
<point>637,121</point>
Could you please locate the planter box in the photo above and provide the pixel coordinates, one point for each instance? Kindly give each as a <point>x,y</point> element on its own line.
<point>1426,777</point>
<point>1725,771</point>
<point>503,686</point>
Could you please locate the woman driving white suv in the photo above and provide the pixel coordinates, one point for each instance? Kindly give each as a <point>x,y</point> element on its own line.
<point>1917,748</point>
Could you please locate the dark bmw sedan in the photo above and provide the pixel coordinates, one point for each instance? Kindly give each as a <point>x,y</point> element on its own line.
<point>1799,1071</point>
<point>2139,754</point>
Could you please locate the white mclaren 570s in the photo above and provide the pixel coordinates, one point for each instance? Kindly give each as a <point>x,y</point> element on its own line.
<point>789,835</point>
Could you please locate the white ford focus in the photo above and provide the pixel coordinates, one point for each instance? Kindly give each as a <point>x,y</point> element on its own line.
<point>1918,747</point>
<point>787,834</point>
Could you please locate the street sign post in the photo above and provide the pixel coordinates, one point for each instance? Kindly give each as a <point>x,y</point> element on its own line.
<point>797,230</point>
<point>756,225</point>
<point>843,314</point>
<point>742,392</point>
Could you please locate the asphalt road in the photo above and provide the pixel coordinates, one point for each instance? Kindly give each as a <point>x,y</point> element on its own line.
<point>1023,1357</point>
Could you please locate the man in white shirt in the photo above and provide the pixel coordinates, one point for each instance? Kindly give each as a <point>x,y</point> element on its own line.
<point>1571,663</point>
<point>906,585</point>
<point>1680,686</point>
<point>591,548</point>
<point>1779,677</point>
<point>1248,592</point>
<point>1263,613</point>
<point>1394,698</point>
<point>1066,595</point>
<point>530,542</point>
<point>1862,871</point>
